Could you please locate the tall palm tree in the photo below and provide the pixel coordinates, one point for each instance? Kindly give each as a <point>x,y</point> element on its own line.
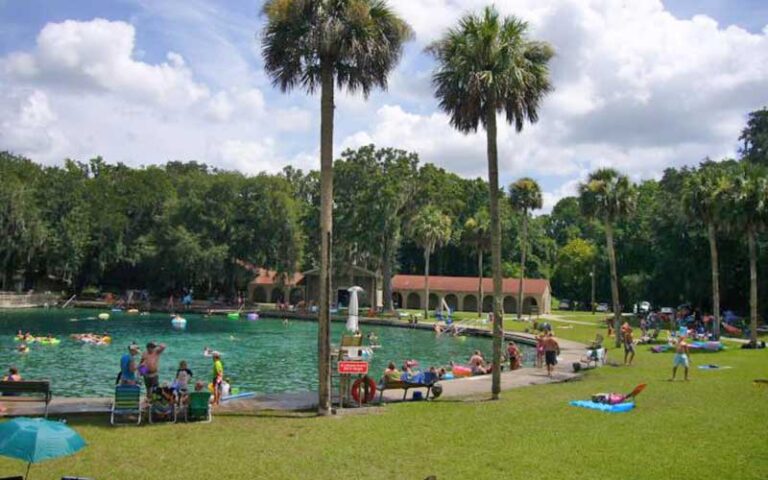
<point>608,196</point>
<point>429,228</point>
<point>703,193</point>
<point>488,65</point>
<point>749,210</point>
<point>524,196</point>
<point>314,44</point>
<point>476,234</point>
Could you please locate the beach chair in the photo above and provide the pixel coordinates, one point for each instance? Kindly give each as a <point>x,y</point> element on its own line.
<point>127,403</point>
<point>199,407</point>
<point>161,406</point>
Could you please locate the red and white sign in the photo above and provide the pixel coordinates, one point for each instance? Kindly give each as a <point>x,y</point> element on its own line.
<point>352,368</point>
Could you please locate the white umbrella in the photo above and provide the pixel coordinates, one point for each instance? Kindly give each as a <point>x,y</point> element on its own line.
<point>353,309</point>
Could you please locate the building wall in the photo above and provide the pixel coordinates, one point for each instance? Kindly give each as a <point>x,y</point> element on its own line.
<point>467,302</point>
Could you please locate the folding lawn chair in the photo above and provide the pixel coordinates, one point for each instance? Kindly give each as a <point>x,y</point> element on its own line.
<point>162,406</point>
<point>127,403</point>
<point>199,407</point>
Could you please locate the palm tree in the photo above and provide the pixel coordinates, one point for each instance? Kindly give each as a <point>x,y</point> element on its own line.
<point>314,44</point>
<point>607,196</point>
<point>524,196</point>
<point>475,234</point>
<point>749,210</point>
<point>703,192</point>
<point>429,228</point>
<point>488,65</point>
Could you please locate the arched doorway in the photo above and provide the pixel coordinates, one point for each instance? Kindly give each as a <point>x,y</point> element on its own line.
<point>488,303</point>
<point>433,301</point>
<point>529,304</point>
<point>297,295</point>
<point>470,303</point>
<point>397,300</point>
<point>413,301</point>
<point>259,295</point>
<point>452,301</point>
<point>510,305</point>
<point>277,295</point>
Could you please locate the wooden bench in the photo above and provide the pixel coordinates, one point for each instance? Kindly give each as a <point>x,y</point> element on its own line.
<point>401,385</point>
<point>26,391</point>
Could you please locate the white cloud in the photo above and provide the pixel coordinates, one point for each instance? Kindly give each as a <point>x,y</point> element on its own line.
<point>99,55</point>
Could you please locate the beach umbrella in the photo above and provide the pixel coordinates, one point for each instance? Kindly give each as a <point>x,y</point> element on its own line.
<point>352,319</point>
<point>34,440</point>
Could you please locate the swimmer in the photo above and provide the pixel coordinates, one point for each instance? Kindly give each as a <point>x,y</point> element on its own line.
<point>285,322</point>
<point>23,348</point>
<point>207,352</point>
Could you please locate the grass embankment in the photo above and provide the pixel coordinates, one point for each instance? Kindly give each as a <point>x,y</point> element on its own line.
<point>714,426</point>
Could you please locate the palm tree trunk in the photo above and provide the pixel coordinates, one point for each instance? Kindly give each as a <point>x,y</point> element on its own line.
<point>426,284</point>
<point>614,281</point>
<point>493,186</point>
<point>715,279</point>
<point>751,234</point>
<point>480,282</point>
<point>326,224</point>
<point>523,243</point>
<point>386,270</point>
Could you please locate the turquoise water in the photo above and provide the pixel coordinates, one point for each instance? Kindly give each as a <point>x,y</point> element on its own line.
<point>264,356</point>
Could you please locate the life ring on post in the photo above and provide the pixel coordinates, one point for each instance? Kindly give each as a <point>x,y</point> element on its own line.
<point>367,386</point>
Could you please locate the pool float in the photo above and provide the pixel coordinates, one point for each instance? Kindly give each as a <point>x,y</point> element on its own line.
<point>117,309</point>
<point>132,311</point>
<point>103,316</point>
<point>236,394</point>
<point>179,322</point>
<point>603,407</point>
<point>49,341</point>
<point>253,316</point>
<point>461,371</point>
<point>448,376</point>
<point>707,346</point>
<point>367,386</point>
<point>233,316</point>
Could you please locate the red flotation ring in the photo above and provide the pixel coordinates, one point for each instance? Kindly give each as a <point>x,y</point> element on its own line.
<point>367,386</point>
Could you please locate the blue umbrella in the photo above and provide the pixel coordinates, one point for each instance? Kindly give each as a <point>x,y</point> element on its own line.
<point>35,439</point>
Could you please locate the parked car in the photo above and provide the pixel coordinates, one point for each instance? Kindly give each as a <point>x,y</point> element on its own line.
<point>668,311</point>
<point>602,307</point>
<point>565,304</point>
<point>644,307</point>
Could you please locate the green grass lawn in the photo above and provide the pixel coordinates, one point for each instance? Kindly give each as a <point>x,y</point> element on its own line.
<point>715,426</point>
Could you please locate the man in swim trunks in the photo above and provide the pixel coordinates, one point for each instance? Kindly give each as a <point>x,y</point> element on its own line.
<point>150,363</point>
<point>128,365</point>
<point>682,357</point>
<point>629,346</point>
<point>551,349</point>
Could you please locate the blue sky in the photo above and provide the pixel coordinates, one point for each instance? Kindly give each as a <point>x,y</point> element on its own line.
<point>640,86</point>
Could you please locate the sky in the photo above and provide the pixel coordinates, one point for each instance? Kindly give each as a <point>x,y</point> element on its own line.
<point>640,85</point>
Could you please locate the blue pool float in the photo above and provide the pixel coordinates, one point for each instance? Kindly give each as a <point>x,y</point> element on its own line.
<point>604,407</point>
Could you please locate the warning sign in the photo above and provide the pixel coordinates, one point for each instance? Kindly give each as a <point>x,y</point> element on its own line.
<point>353,368</point>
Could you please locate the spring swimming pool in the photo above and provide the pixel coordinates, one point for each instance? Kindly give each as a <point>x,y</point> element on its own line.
<point>264,356</point>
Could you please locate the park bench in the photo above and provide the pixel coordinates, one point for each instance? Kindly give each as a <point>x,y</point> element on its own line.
<point>405,386</point>
<point>26,391</point>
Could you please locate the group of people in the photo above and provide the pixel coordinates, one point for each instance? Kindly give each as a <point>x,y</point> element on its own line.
<point>148,367</point>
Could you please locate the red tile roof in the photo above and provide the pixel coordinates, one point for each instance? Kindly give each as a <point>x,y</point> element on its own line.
<point>270,277</point>
<point>532,286</point>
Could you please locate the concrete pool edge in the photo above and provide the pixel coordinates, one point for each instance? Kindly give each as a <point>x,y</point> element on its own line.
<point>461,388</point>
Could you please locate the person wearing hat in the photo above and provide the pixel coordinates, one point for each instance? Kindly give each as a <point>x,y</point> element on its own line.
<point>218,377</point>
<point>128,366</point>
